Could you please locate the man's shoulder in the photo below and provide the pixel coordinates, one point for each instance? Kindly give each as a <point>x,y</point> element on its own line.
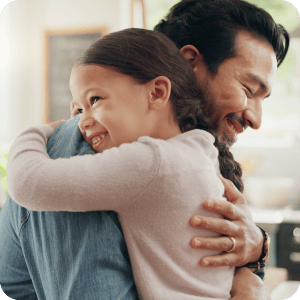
<point>67,141</point>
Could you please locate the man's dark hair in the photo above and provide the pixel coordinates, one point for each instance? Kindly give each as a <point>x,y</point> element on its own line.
<point>147,54</point>
<point>212,25</point>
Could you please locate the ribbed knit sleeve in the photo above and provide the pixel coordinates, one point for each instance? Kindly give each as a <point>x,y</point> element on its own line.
<point>104,181</point>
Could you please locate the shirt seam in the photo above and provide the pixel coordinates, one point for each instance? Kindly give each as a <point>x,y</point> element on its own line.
<point>132,201</point>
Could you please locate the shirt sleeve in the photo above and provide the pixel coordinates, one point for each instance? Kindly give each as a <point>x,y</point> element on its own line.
<point>103,181</point>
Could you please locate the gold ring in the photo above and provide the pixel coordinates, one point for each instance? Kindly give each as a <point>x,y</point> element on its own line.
<point>233,244</point>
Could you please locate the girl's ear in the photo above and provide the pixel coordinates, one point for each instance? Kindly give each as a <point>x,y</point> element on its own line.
<point>192,55</point>
<point>73,109</point>
<point>160,92</point>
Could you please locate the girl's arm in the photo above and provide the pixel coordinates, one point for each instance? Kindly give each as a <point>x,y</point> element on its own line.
<point>104,181</point>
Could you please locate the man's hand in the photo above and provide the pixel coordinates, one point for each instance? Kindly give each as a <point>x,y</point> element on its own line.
<point>247,286</point>
<point>55,124</point>
<point>237,224</point>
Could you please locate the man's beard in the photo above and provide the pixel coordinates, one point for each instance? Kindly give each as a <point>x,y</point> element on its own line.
<point>210,110</point>
<point>222,136</point>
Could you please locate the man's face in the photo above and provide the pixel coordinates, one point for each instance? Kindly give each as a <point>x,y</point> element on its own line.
<point>236,92</point>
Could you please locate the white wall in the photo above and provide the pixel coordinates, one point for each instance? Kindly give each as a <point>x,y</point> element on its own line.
<point>22,25</point>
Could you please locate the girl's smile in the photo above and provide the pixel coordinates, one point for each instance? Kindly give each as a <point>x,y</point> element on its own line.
<point>113,107</point>
<point>98,140</point>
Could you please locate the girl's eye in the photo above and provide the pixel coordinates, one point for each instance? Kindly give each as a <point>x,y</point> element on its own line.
<point>79,110</point>
<point>95,99</point>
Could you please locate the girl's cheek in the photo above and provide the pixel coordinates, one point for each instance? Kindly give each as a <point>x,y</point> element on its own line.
<point>84,135</point>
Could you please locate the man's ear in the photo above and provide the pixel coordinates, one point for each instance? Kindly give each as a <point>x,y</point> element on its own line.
<point>192,55</point>
<point>160,92</point>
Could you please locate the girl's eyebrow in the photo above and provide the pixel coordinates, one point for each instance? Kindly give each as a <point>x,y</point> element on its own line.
<point>97,89</point>
<point>85,93</point>
<point>88,90</point>
<point>75,103</point>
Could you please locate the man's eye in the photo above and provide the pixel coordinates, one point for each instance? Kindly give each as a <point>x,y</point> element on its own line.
<point>250,92</point>
<point>95,99</point>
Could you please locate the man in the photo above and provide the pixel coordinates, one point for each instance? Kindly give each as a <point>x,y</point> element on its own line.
<point>2,197</point>
<point>234,48</point>
<point>62,255</point>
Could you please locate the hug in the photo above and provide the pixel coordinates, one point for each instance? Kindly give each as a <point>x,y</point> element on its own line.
<point>128,198</point>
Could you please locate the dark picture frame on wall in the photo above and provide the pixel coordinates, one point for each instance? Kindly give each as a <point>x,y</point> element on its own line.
<point>62,48</point>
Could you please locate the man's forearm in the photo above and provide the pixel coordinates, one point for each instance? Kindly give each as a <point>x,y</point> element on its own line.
<point>246,285</point>
<point>259,248</point>
<point>257,265</point>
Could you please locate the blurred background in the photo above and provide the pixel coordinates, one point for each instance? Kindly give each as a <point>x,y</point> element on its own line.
<point>39,41</point>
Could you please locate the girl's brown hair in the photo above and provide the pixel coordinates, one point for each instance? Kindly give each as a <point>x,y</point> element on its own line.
<point>145,55</point>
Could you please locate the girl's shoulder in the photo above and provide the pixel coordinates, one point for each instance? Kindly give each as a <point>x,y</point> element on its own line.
<point>185,152</point>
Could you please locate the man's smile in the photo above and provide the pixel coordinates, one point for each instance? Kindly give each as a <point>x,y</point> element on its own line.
<point>236,126</point>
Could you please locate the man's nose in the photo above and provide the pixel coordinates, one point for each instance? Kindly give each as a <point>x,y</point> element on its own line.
<point>253,114</point>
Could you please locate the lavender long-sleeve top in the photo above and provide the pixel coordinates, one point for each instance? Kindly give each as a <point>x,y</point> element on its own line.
<point>154,185</point>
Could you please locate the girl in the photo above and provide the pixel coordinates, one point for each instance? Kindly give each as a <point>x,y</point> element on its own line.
<point>142,110</point>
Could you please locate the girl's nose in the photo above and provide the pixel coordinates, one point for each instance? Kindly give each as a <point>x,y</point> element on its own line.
<point>85,122</point>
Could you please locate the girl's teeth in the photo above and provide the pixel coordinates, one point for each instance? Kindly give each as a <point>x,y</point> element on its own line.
<point>97,139</point>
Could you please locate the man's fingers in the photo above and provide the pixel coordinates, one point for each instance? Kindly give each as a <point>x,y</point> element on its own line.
<point>216,225</point>
<point>223,259</point>
<point>231,192</point>
<point>219,244</point>
<point>55,124</point>
<point>225,208</point>
<point>238,224</point>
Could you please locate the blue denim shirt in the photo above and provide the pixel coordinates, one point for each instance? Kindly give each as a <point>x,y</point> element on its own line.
<point>64,255</point>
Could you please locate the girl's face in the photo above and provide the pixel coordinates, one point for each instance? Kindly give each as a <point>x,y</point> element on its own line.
<point>113,108</point>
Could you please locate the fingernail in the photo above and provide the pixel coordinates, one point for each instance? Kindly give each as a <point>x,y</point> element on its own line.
<point>205,263</point>
<point>210,203</point>
<point>196,221</point>
<point>197,243</point>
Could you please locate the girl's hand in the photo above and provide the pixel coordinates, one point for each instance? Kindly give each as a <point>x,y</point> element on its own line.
<point>237,224</point>
<point>55,124</point>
